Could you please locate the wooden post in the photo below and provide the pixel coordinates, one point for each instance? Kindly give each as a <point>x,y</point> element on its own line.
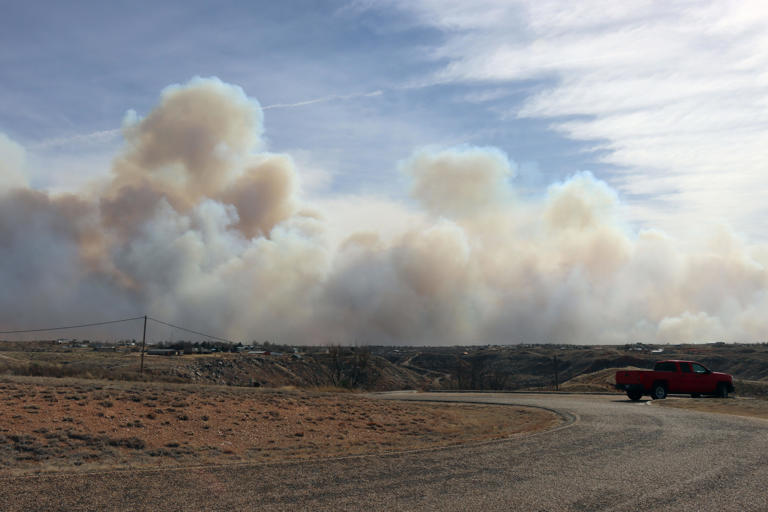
<point>143,343</point>
<point>557,383</point>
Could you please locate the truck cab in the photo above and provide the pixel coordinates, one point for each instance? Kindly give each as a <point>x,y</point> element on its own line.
<point>674,376</point>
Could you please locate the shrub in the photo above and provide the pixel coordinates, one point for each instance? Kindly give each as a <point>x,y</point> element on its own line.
<point>134,443</point>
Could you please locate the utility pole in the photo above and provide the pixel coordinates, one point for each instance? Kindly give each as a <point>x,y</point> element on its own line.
<point>143,343</point>
<point>555,367</point>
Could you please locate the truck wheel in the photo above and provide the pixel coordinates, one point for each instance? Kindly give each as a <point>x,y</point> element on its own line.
<point>722,391</point>
<point>635,395</point>
<point>659,391</point>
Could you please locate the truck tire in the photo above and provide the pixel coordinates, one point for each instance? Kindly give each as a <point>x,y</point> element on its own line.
<point>659,391</point>
<point>721,391</point>
<point>635,395</point>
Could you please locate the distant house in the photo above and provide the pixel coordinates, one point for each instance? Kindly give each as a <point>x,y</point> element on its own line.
<point>104,348</point>
<point>164,352</point>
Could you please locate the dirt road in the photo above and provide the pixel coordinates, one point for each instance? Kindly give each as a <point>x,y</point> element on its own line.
<point>612,455</point>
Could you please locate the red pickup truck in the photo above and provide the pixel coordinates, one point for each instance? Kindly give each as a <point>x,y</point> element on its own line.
<point>674,376</point>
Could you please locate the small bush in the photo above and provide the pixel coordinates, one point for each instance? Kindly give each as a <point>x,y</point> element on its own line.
<point>134,443</point>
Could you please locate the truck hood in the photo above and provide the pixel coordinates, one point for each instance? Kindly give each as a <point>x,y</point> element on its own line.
<point>722,375</point>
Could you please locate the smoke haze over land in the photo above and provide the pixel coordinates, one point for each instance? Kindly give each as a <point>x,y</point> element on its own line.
<point>200,225</point>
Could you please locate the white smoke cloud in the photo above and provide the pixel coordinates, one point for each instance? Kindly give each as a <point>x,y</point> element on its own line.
<point>459,182</point>
<point>199,225</point>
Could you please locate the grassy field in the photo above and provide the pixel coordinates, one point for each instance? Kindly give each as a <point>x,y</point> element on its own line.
<point>753,408</point>
<point>63,424</point>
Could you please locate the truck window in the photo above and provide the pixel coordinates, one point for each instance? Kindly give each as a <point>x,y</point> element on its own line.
<point>697,368</point>
<point>685,367</point>
<point>667,366</point>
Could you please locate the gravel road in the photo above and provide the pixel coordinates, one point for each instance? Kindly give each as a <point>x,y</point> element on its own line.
<point>610,454</point>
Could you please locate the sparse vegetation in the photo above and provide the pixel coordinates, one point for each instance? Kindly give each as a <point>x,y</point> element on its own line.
<point>194,424</point>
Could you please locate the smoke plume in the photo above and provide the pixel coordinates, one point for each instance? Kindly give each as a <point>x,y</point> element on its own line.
<point>200,225</point>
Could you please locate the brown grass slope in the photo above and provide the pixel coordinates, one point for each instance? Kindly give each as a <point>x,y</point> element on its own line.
<point>602,380</point>
<point>55,424</point>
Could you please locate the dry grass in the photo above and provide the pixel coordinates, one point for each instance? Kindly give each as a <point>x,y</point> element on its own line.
<point>751,388</point>
<point>752,408</point>
<point>61,424</point>
<point>603,380</point>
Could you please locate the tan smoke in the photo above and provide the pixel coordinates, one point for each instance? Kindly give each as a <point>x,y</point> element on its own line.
<point>193,140</point>
<point>459,182</point>
<point>190,147</point>
<point>263,195</point>
<point>199,225</point>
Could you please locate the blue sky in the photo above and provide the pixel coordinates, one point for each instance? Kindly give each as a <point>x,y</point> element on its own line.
<point>72,70</point>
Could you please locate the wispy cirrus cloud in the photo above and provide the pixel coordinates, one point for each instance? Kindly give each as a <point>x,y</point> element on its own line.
<point>93,138</point>
<point>673,95</point>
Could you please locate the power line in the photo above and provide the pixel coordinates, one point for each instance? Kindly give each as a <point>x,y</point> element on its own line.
<point>72,326</point>
<point>191,331</point>
<point>94,324</point>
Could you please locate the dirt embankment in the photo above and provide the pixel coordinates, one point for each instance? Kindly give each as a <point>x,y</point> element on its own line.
<point>602,380</point>
<point>62,424</point>
<point>349,367</point>
<point>378,374</point>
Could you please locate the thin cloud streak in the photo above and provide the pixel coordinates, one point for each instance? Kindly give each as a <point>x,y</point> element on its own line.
<point>99,137</point>
<point>324,99</point>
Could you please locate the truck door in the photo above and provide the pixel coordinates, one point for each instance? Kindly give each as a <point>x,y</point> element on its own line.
<point>702,379</point>
<point>687,379</point>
